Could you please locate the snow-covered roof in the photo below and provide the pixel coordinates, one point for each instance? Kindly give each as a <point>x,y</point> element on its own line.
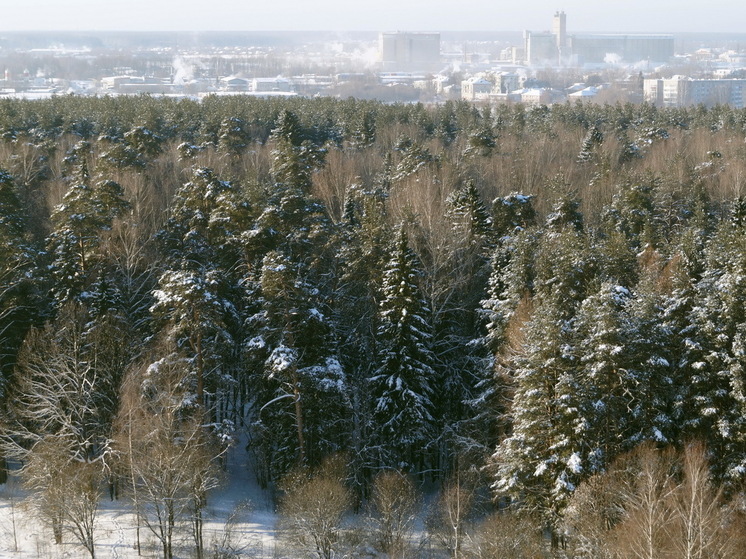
<point>587,92</point>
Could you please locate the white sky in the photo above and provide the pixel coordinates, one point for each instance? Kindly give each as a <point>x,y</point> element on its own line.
<point>372,15</point>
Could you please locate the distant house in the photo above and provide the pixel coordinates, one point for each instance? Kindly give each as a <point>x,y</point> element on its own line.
<point>234,83</point>
<point>135,84</point>
<point>113,82</point>
<point>261,85</point>
<point>536,96</point>
<point>476,89</point>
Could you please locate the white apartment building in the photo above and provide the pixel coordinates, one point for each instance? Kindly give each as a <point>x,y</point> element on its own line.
<point>682,91</point>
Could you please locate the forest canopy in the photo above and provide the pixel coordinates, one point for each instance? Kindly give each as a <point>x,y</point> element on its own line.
<point>529,292</point>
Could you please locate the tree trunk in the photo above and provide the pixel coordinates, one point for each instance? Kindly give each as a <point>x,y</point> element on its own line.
<point>299,418</point>
<point>57,530</point>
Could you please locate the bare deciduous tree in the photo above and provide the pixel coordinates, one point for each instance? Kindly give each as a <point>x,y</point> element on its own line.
<point>507,534</point>
<point>701,518</point>
<point>395,504</point>
<point>56,428</point>
<point>447,521</point>
<point>64,492</point>
<point>313,505</point>
<point>171,454</point>
<point>651,504</point>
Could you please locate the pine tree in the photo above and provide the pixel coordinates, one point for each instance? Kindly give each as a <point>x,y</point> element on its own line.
<point>633,213</point>
<point>295,157</point>
<point>77,240</point>
<point>197,300</point>
<point>206,219</point>
<point>192,316</point>
<point>233,138</point>
<point>301,392</point>
<point>513,213</point>
<point>565,210</point>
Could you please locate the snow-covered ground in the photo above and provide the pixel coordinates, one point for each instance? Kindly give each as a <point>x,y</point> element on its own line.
<point>240,515</point>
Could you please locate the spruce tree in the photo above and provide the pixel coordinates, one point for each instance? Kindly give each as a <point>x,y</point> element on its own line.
<point>19,279</point>
<point>606,378</point>
<point>716,378</point>
<point>591,144</point>
<point>401,386</point>
<point>540,463</point>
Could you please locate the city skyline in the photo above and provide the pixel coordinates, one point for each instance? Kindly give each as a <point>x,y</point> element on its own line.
<point>631,16</point>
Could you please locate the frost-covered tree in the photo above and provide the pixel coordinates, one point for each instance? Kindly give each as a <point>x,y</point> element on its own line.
<point>652,350</point>
<point>714,369</point>
<point>364,133</point>
<point>633,212</point>
<point>59,423</point>
<point>78,237</point>
<point>540,463</point>
<point>19,298</point>
<point>289,334</point>
<point>197,301</point>
<point>513,213</point>
<point>192,314</point>
<point>401,386</point>
<point>606,378</point>
<point>301,388</point>
<point>206,218</point>
<point>144,141</point>
<point>56,388</point>
<point>470,215</point>
<point>481,142</point>
<point>591,144</point>
<point>295,157</point>
<point>413,158</point>
<point>233,138</point>
<point>362,255</point>
<point>504,312</point>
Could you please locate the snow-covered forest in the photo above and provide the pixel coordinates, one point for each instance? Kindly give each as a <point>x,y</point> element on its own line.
<point>513,331</point>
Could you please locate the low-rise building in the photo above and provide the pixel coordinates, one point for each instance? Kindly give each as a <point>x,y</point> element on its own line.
<point>261,85</point>
<point>476,89</point>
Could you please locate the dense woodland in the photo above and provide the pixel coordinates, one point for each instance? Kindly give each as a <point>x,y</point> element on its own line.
<point>539,300</point>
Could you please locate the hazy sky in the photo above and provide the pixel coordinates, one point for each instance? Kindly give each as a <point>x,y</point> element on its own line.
<point>373,15</point>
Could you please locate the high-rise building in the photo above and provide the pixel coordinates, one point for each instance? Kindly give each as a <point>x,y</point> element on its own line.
<point>541,48</point>
<point>409,52</point>
<point>559,30</point>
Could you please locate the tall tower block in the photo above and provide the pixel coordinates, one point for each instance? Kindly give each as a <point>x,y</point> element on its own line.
<point>559,30</point>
